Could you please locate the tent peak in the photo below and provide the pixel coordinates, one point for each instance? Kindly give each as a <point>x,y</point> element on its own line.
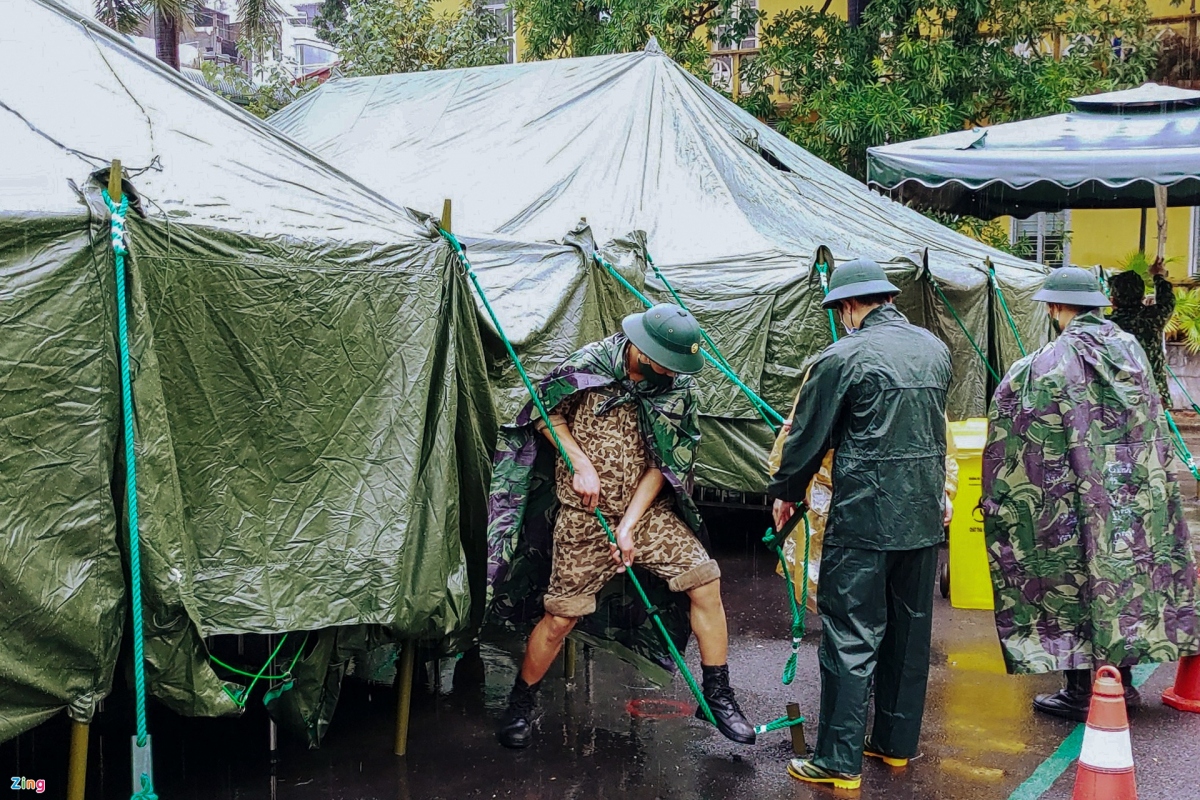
<point>1147,97</point>
<point>652,46</point>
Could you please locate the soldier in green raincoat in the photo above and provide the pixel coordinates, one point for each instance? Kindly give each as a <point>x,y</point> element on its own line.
<point>877,398</point>
<point>1092,562</point>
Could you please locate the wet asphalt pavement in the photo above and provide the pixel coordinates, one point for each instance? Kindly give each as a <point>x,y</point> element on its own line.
<point>609,734</point>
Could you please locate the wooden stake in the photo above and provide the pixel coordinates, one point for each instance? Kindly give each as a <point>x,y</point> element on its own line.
<point>446,216</point>
<point>77,763</point>
<point>570,658</point>
<point>404,681</point>
<point>114,181</point>
<point>798,745</point>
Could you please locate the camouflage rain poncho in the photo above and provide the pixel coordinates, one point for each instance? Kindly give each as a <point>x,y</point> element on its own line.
<point>1091,558</point>
<point>522,507</point>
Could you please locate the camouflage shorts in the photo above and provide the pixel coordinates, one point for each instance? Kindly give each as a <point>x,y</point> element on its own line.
<point>583,562</point>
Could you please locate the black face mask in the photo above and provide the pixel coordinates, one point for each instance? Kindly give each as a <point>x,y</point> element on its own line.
<point>1056,325</point>
<point>652,377</point>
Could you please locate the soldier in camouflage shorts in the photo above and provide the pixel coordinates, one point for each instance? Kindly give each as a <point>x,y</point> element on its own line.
<point>624,411</point>
<point>583,560</point>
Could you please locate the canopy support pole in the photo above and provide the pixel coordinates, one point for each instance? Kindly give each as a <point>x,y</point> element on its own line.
<point>77,765</point>
<point>1142,234</point>
<point>1160,210</point>
<point>404,682</point>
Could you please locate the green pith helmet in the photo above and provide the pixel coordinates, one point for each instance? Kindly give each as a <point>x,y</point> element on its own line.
<point>668,335</point>
<point>1072,286</point>
<point>857,278</point>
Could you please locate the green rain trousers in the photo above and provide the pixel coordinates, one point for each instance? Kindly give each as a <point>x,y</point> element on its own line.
<point>877,613</point>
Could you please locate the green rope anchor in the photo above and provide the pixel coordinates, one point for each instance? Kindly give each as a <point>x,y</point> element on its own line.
<point>545,415</point>
<point>141,754</point>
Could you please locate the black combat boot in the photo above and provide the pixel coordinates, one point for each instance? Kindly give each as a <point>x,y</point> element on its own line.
<point>719,695</point>
<point>516,728</point>
<point>1072,702</point>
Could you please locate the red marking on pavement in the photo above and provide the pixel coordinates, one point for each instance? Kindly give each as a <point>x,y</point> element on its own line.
<point>650,708</point>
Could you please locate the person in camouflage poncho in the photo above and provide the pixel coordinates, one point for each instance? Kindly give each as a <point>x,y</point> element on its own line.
<point>1145,322</point>
<point>624,409</point>
<point>1092,562</point>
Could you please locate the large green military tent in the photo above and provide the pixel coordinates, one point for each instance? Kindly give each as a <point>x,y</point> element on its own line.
<point>312,411</point>
<point>733,213</point>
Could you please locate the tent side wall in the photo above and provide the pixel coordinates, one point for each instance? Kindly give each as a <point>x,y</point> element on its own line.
<point>62,607</point>
<point>314,430</point>
<point>311,394</point>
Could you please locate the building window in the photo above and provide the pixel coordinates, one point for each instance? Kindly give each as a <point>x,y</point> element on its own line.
<point>309,56</point>
<point>504,15</point>
<point>721,33</point>
<point>722,72</point>
<point>1045,238</point>
<point>1194,245</point>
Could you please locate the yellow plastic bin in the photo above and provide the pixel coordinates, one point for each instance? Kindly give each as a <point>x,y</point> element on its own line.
<point>970,577</point>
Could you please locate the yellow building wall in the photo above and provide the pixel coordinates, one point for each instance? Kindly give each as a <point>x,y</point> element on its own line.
<point>1103,236</point>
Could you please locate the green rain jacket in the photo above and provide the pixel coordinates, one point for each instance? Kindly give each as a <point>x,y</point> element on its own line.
<point>878,400</point>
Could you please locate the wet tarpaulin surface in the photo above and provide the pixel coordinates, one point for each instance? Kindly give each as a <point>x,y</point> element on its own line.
<point>311,406</point>
<point>733,212</point>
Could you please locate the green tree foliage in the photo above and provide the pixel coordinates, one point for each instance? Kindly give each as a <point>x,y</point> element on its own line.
<point>910,68</point>
<point>380,37</point>
<point>916,68</point>
<point>684,28</point>
<point>259,20</point>
<point>1184,325</point>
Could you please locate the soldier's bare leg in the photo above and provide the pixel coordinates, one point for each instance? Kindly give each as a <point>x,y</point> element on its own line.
<point>544,645</point>
<point>708,623</point>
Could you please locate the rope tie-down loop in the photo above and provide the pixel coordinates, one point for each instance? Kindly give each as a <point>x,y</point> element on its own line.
<point>143,773</point>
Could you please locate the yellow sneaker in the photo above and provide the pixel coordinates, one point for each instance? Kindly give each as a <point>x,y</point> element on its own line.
<point>804,770</point>
<point>870,750</point>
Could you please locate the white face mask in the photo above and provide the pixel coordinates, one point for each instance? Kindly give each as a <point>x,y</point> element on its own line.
<point>850,330</point>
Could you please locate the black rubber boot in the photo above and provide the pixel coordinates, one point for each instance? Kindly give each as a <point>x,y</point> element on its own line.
<point>719,695</point>
<point>1071,702</point>
<point>516,726</point>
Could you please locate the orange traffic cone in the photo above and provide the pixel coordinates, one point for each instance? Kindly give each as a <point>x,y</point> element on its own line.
<point>1185,696</point>
<point>1106,759</point>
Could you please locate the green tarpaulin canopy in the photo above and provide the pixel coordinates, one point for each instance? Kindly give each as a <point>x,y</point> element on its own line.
<point>313,419</point>
<point>1109,152</point>
<point>732,212</point>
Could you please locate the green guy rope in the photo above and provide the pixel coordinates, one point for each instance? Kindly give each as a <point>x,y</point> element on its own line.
<point>537,401</point>
<point>758,402</point>
<point>1183,389</point>
<point>823,271</point>
<point>1012,323</point>
<point>774,541</point>
<point>144,789</point>
<point>1181,447</point>
<point>242,697</point>
<point>716,350</point>
<point>933,282</point>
